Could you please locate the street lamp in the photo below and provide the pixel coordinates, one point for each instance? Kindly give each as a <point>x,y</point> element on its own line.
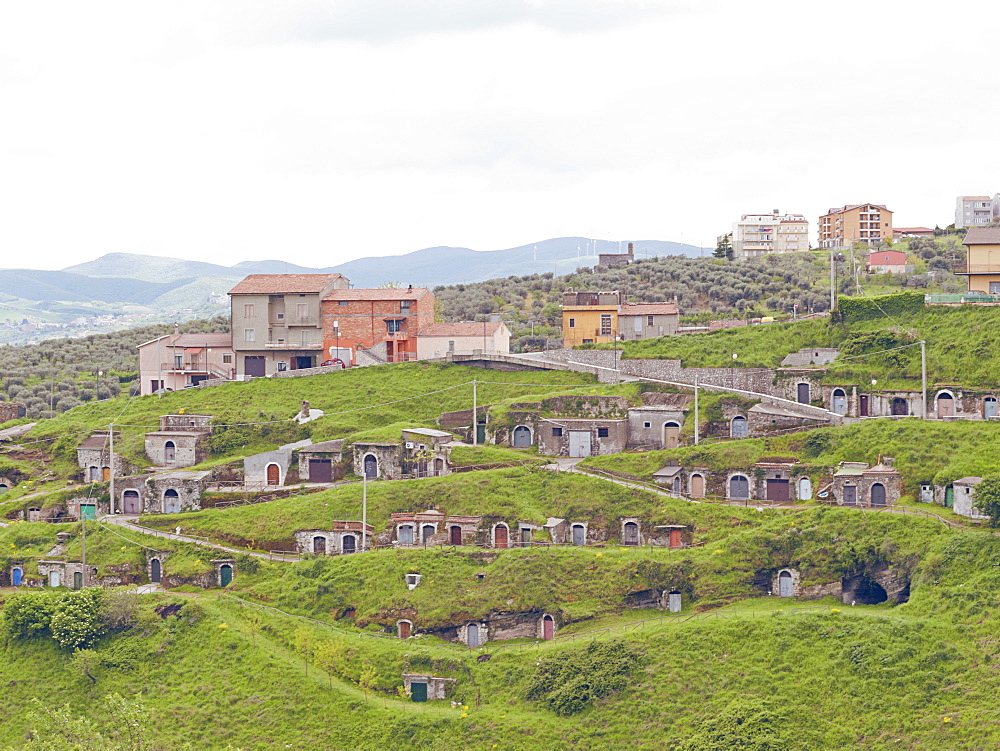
<point>732,372</point>
<point>336,333</point>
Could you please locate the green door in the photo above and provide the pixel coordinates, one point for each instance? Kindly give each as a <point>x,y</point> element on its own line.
<point>949,496</point>
<point>88,511</point>
<point>418,691</point>
<point>77,580</point>
<point>481,433</point>
<point>226,574</point>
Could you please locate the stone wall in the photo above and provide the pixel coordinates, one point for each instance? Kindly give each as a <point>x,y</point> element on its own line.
<point>188,448</point>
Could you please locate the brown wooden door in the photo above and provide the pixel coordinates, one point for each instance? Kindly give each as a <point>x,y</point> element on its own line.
<point>777,490</point>
<point>404,629</point>
<point>500,537</point>
<point>671,435</point>
<point>105,473</point>
<point>863,405</point>
<point>455,535</point>
<point>697,486</point>
<point>675,538</point>
<point>548,628</point>
<point>320,470</point>
<point>273,474</point>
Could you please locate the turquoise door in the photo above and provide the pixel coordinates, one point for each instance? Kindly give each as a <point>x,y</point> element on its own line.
<point>88,511</point>
<point>949,496</point>
<point>226,574</point>
<point>418,691</point>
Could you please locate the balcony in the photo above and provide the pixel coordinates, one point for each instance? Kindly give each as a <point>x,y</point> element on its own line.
<point>281,344</point>
<point>977,268</point>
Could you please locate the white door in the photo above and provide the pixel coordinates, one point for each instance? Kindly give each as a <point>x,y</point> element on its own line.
<point>805,489</point>
<point>579,443</point>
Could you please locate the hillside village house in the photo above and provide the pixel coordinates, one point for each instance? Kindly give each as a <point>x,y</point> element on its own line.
<point>983,265</point>
<point>646,320</point>
<point>755,235</point>
<point>887,262</point>
<point>276,322</point>
<point>976,211</point>
<point>589,317</point>
<point>443,339</point>
<point>384,321</point>
<point>868,223</point>
<point>176,361</point>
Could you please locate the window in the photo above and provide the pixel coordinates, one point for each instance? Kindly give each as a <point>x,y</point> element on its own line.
<point>178,361</point>
<point>649,320</point>
<point>248,310</point>
<point>227,359</point>
<point>572,323</point>
<point>557,432</point>
<point>602,432</point>
<point>605,324</point>
<point>394,327</point>
<point>343,302</point>
<point>646,425</point>
<point>249,335</point>
<point>404,307</point>
<point>451,346</point>
<point>302,310</point>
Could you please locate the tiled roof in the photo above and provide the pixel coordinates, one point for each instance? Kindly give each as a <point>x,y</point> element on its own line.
<point>982,236</point>
<point>282,284</point>
<point>460,329</point>
<point>324,447</point>
<point>398,293</point>
<point>203,340</point>
<point>648,309</point>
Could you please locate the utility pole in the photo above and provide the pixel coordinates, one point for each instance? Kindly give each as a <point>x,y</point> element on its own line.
<point>364,509</point>
<point>696,410</point>
<point>475,418</point>
<point>111,463</point>
<point>833,282</point>
<point>923,379</point>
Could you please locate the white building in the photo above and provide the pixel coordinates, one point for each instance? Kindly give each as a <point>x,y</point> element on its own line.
<point>756,235</point>
<point>976,211</point>
<point>440,339</point>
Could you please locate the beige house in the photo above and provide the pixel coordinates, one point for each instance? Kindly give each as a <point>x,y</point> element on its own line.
<point>177,361</point>
<point>277,321</point>
<point>868,223</point>
<point>755,235</point>
<point>983,266</point>
<point>442,339</point>
<point>647,320</point>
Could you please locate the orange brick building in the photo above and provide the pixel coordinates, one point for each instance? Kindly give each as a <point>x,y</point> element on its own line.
<point>385,321</point>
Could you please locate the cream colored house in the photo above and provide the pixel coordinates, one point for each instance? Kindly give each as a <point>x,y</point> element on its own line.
<point>442,339</point>
<point>983,268</point>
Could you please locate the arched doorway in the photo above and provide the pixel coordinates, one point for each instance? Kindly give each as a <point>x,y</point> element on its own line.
<point>426,532</point>
<point>802,393</point>
<point>225,574</point>
<point>405,628</point>
<point>674,601</point>
<point>105,474</point>
<point>805,489</point>
<point>94,474</point>
<point>989,407</point>
<point>945,405</point>
<point>171,501</point>
<point>671,435</point>
<point>371,466</point>
<point>878,494</point>
<point>455,535</point>
<point>155,571</point>
<point>472,635</point>
<point>579,534</point>
<point>169,452</point>
<point>785,584</point>
<point>406,535</point>
<point>677,485</point>
<point>348,544</point>
<point>438,467</point>
<point>839,402</point>
<point>522,437</point>
<point>738,427</point>
<point>4,487</point>
<point>630,534</point>
<point>548,628</point>
<point>697,486</point>
<point>15,577</point>
<point>739,488</point>
<point>500,536</point>
<point>319,545</point>
<point>77,580</point>
<point>900,407</point>
<point>273,474</point>
<point>130,502</point>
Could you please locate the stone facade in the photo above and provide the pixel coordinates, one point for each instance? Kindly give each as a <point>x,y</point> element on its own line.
<point>964,502</point>
<point>67,574</point>
<point>557,436</point>
<point>419,453</point>
<point>174,448</point>
<point>855,484</point>
<point>12,411</point>
<point>93,456</point>
<point>437,688</point>
<point>333,541</point>
<point>327,451</point>
<point>656,427</point>
<point>433,527</point>
<point>272,467</point>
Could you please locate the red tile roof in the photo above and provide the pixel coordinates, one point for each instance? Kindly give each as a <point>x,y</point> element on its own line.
<point>282,284</point>
<point>465,328</point>
<point>400,293</point>
<point>648,309</point>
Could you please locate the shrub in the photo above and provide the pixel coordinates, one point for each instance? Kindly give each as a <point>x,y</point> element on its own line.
<point>28,615</point>
<point>570,681</point>
<point>76,619</point>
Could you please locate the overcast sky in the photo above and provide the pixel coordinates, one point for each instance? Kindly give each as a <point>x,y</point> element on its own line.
<point>318,132</point>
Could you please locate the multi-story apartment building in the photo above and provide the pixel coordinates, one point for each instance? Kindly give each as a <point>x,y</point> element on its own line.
<point>976,211</point>
<point>868,223</point>
<point>276,321</point>
<point>983,265</point>
<point>755,235</point>
<point>589,317</point>
<point>385,321</point>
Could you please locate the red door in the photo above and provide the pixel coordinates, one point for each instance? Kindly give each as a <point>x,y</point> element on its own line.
<point>500,537</point>
<point>456,535</point>
<point>548,626</point>
<point>675,538</point>
<point>273,474</point>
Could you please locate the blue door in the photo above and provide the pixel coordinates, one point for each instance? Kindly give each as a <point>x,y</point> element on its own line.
<point>15,577</point>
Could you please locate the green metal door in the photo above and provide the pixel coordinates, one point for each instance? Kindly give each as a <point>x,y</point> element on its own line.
<point>418,691</point>
<point>88,511</point>
<point>481,433</point>
<point>226,574</point>
<point>77,580</point>
<point>949,496</point>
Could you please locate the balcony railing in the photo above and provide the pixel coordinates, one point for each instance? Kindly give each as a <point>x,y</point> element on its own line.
<point>282,344</point>
<point>978,268</point>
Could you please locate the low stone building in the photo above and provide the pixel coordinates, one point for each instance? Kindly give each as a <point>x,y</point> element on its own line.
<point>420,687</point>
<point>561,436</point>
<point>180,441</point>
<point>72,574</point>
<point>167,492</point>
<point>433,527</point>
<point>566,426</point>
<point>964,502</point>
<point>658,423</point>
<point>93,456</point>
<point>673,536</point>
<point>671,476</point>
<point>343,538</point>
<point>775,478</point>
<point>322,462</point>
<point>768,417</point>
<point>12,411</point>
<point>272,468</point>
<point>857,484</point>
<point>420,452</point>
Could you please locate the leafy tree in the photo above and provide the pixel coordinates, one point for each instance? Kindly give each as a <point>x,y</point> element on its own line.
<point>27,615</point>
<point>58,729</point>
<point>77,618</point>
<point>330,656</point>
<point>85,662</point>
<point>305,644</point>
<point>568,682</point>
<point>987,498</point>
<point>723,248</point>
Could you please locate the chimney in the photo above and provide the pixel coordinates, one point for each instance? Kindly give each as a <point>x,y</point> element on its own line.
<point>630,248</point>
<point>775,212</point>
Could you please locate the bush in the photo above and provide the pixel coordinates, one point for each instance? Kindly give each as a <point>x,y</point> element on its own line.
<point>570,681</point>
<point>28,615</point>
<point>76,619</point>
<point>863,309</point>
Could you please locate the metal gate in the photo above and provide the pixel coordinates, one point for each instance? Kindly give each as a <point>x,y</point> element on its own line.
<point>631,536</point>
<point>226,574</point>
<point>878,494</point>
<point>850,495</point>
<point>371,467</point>
<point>579,534</point>
<point>989,407</point>
<point>155,572</point>
<point>472,635</point>
<point>778,491</point>
<point>522,437</point>
<point>253,366</point>
<point>418,691</point>
<point>785,584</point>
<point>171,502</point>
<point>840,401</point>
<point>802,393</point>
<point>320,470</point>
<point>674,602</point>
<point>579,443</point>
<point>739,488</point>
<point>347,544</point>
<point>130,502</point>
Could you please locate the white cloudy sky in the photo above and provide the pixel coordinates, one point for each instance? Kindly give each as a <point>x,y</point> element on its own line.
<point>317,132</point>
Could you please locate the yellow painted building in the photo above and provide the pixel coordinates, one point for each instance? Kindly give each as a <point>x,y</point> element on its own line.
<point>983,268</point>
<point>869,223</point>
<point>589,317</point>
